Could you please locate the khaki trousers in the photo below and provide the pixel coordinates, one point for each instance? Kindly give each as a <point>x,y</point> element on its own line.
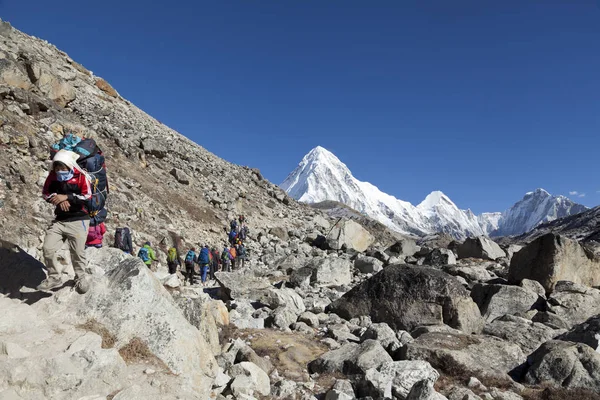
<point>75,234</point>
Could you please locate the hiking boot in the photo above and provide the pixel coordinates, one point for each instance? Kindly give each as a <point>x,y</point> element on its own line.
<point>82,284</point>
<point>50,282</point>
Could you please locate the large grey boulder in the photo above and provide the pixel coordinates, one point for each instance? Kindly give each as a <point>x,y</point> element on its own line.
<point>330,271</point>
<point>587,332</point>
<point>564,364</point>
<point>497,300</point>
<point>480,247</point>
<point>475,355</point>
<point>526,334</point>
<point>351,358</point>
<point>395,379</point>
<point>405,297</point>
<point>241,285</point>
<point>367,265</point>
<point>347,234</point>
<point>248,378</point>
<point>573,303</point>
<point>552,258</point>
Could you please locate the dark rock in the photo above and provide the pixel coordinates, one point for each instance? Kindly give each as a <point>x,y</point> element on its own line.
<point>405,297</point>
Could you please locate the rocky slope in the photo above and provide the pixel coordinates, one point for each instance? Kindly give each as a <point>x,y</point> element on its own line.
<point>321,176</point>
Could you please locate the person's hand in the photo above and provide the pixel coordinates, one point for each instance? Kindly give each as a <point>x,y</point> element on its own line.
<point>59,198</point>
<point>65,206</point>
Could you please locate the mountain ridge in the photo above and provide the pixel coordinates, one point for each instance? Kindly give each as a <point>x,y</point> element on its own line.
<point>322,176</point>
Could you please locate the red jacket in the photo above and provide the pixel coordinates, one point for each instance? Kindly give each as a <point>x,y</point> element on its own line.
<point>77,189</point>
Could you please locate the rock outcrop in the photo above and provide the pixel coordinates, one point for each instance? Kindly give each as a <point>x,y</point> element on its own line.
<point>553,258</point>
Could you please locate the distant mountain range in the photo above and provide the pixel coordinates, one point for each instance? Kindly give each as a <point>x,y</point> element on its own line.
<point>321,176</point>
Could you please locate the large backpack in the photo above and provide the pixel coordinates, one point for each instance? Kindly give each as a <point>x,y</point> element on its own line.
<point>204,257</point>
<point>189,257</point>
<point>225,256</point>
<point>232,235</point>
<point>122,239</point>
<point>143,254</point>
<point>172,255</point>
<point>91,160</point>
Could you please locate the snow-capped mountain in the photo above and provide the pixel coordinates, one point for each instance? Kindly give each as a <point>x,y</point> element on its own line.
<point>533,209</point>
<point>322,176</point>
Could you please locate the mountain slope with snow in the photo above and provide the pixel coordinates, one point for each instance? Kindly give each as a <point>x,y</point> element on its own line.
<point>321,176</point>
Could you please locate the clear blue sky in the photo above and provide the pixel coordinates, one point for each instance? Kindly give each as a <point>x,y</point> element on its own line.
<point>482,100</point>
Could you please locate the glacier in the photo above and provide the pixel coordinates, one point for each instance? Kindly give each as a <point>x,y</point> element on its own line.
<point>321,176</point>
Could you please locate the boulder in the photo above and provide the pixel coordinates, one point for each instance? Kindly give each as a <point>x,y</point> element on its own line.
<point>439,257</point>
<point>405,297</point>
<point>241,285</point>
<point>56,89</point>
<point>288,298</point>
<point>279,232</point>
<point>367,265</point>
<point>384,335</point>
<point>552,258</point>
<point>309,318</point>
<point>248,378</point>
<point>155,147</point>
<point>180,176</point>
<point>351,358</point>
<point>587,332</point>
<point>347,234</point>
<point>497,300</point>
<point>468,354</point>
<point>471,273</point>
<point>129,301</point>
<point>423,390</point>
<point>403,248</point>
<point>573,303</point>
<point>330,271</point>
<point>526,334</point>
<point>396,379</point>
<point>335,394</point>
<point>11,75</point>
<point>564,364</point>
<point>480,247</point>
<point>300,278</point>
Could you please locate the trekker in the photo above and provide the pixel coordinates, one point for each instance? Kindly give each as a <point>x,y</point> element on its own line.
<point>95,236</point>
<point>204,261</point>
<point>190,259</point>
<point>233,253</point>
<point>173,260</point>
<point>67,188</point>
<point>241,219</point>
<point>233,225</point>
<point>123,240</point>
<point>147,254</point>
<point>215,261</point>
<point>243,234</point>
<point>241,253</point>
<point>232,237</point>
<point>226,259</point>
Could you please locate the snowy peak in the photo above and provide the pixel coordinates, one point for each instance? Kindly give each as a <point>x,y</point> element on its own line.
<point>322,176</point>
<point>434,199</point>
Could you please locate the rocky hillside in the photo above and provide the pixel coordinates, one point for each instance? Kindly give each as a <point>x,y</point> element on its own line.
<point>325,308</point>
<point>162,185</point>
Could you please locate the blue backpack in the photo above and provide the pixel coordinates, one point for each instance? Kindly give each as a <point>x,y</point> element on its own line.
<point>204,258</point>
<point>189,257</point>
<point>143,254</point>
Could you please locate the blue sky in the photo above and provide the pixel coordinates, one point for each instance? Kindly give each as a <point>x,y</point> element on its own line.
<point>482,100</point>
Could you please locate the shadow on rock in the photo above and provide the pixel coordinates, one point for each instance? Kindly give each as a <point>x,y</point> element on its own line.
<point>19,270</point>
